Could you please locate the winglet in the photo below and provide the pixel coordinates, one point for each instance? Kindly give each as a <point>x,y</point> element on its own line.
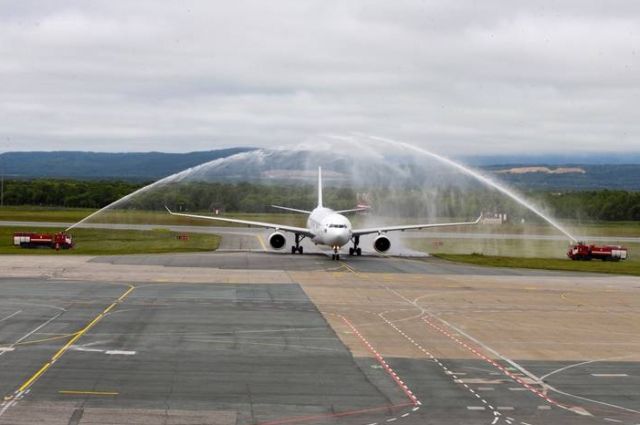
<point>479,218</point>
<point>168,210</point>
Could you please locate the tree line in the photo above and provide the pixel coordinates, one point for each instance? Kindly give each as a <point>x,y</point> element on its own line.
<point>614,205</point>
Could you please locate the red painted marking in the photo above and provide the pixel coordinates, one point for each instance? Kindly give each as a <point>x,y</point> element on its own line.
<point>333,415</point>
<point>384,364</point>
<point>500,367</point>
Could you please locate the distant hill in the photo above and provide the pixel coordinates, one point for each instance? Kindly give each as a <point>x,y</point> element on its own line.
<point>99,165</point>
<point>575,158</point>
<point>543,172</point>
<point>569,177</point>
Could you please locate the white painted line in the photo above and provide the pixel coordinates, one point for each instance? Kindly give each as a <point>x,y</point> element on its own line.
<point>486,389</point>
<point>476,408</point>
<point>495,420</point>
<point>517,389</point>
<point>612,420</point>
<point>505,408</point>
<point>609,375</point>
<point>392,419</point>
<point>120,352</point>
<point>5,349</point>
<point>544,407</point>
<point>10,316</point>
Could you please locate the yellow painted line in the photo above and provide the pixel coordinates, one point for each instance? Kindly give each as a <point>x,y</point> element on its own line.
<point>70,392</point>
<point>126,294</point>
<point>64,349</point>
<point>51,338</point>
<point>264,247</point>
<point>351,269</point>
<point>35,376</point>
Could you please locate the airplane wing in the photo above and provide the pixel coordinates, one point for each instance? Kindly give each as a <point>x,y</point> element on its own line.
<point>285,228</point>
<point>291,209</point>
<point>353,210</point>
<point>360,232</point>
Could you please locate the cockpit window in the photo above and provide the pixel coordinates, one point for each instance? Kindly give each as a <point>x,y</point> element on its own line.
<point>338,226</point>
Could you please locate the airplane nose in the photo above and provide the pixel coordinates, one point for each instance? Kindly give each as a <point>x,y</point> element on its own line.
<point>340,237</point>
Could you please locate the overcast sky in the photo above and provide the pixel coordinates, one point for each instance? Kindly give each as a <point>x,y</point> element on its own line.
<point>458,77</point>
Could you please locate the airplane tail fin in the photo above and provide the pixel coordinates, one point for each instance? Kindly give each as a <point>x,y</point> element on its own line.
<point>320,187</point>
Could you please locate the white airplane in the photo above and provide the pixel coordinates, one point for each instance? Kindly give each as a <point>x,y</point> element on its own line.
<point>326,227</point>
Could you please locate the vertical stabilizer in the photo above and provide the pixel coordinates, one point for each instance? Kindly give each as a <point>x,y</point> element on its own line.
<point>320,187</point>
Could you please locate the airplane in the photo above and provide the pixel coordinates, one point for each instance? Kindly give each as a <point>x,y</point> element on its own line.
<point>326,227</point>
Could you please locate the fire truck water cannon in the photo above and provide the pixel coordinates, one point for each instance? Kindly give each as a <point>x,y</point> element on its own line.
<point>582,251</point>
<point>43,240</point>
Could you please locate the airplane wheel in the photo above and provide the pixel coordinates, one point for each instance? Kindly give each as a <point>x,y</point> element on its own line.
<point>300,250</point>
<point>333,256</point>
<point>351,250</point>
<point>358,251</point>
<point>337,257</point>
<point>293,249</point>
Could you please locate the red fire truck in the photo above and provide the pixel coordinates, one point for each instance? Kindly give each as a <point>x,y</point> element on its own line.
<point>43,240</point>
<point>582,251</point>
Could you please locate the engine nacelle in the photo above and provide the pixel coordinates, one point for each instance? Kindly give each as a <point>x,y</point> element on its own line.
<point>277,240</point>
<point>382,244</point>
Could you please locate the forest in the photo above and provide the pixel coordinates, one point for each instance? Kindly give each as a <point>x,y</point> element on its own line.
<point>606,205</point>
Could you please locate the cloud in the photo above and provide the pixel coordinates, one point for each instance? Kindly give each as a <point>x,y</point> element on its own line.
<point>490,77</point>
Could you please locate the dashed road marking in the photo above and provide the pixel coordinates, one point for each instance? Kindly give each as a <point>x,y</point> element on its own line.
<point>384,364</point>
<point>504,370</point>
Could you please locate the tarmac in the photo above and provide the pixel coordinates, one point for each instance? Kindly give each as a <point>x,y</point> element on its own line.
<point>237,337</point>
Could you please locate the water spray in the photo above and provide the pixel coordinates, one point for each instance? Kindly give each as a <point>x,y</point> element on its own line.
<point>484,179</point>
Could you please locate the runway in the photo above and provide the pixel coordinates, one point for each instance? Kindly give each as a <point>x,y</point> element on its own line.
<point>259,338</point>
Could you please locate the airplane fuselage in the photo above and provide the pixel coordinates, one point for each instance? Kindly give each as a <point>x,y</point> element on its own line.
<point>329,228</point>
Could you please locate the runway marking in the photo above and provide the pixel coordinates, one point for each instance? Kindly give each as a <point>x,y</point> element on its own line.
<point>503,369</point>
<point>28,334</point>
<point>609,375</point>
<point>51,338</point>
<point>259,238</point>
<point>72,392</point>
<point>428,354</point>
<point>336,415</point>
<point>26,386</point>
<point>10,316</point>
<point>562,369</point>
<point>444,368</point>
<point>384,364</point>
<point>120,352</point>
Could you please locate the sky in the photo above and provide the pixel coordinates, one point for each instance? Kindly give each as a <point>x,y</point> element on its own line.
<point>490,77</point>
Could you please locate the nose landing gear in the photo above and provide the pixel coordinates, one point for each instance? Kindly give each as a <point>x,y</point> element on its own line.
<point>336,255</point>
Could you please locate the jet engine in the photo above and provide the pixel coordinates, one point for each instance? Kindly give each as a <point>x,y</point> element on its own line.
<point>277,240</point>
<point>382,244</point>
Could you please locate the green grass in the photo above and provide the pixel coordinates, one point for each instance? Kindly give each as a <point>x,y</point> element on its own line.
<point>594,266</point>
<point>73,215</point>
<point>112,242</point>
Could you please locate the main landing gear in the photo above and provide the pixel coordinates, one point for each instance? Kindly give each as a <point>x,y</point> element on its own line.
<point>355,250</point>
<point>297,248</point>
